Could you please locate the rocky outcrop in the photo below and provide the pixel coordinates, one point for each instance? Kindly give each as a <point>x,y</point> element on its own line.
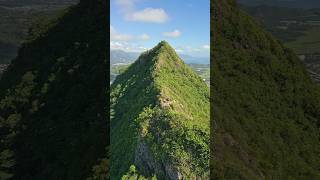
<point>148,166</point>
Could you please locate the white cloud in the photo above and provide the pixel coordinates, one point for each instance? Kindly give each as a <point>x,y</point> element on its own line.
<point>149,15</point>
<point>116,45</point>
<point>116,36</point>
<point>144,37</point>
<point>128,47</point>
<point>206,46</point>
<point>198,51</point>
<point>174,34</point>
<point>178,50</point>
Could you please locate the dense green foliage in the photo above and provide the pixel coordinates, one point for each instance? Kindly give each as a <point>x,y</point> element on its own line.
<point>52,119</point>
<point>266,108</point>
<point>161,102</point>
<point>132,174</point>
<point>203,70</point>
<point>298,28</point>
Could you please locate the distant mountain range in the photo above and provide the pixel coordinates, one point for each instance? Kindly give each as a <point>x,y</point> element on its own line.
<point>283,3</point>
<point>120,56</point>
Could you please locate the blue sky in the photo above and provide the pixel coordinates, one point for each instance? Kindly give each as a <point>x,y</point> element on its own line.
<point>137,25</point>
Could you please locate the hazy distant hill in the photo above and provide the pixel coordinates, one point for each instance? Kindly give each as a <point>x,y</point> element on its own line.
<point>195,60</point>
<point>120,56</point>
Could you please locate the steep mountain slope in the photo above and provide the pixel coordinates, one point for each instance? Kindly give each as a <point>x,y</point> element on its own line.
<point>16,16</point>
<point>52,119</point>
<point>160,118</point>
<point>266,109</point>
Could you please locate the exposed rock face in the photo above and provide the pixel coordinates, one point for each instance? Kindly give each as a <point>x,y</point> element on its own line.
<point>143,159</point>
<point>149,166</point>
<point>3,67</point>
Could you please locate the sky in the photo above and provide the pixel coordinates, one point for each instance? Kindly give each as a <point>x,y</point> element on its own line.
<point>138,25</point>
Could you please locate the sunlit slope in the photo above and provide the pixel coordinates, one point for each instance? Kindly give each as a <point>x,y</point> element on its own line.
<point>160,118</point>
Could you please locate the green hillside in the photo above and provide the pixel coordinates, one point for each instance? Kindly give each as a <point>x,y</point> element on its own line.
<point>266,108</point>
<point>52,118</point>
<point>17,16</point>
<point>160,118</point>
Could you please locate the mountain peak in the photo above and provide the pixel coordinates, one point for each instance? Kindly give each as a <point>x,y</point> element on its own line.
<point>163,46</point>
<point>155,100</point>
<point>161,55</point>
<point>164,43</point>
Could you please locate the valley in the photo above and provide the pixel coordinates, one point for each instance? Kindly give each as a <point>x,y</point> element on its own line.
<point>17,16</point>
<point>297,28</point>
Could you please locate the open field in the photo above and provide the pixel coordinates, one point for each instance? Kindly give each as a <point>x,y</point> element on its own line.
<point>309,43</point>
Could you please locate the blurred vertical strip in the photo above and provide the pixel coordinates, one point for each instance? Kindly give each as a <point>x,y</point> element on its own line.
<point>213,32</point>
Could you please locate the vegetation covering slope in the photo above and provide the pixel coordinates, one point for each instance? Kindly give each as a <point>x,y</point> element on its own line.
<point>16,16</point>
<point>160,118</point>
<point>297,28</point>
<point>266,108</point>
<point>52,119</point>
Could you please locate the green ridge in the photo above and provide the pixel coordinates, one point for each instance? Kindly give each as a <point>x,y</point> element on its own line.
<point>161,103</point>
<point>266,108</point>
<point>52,99</point>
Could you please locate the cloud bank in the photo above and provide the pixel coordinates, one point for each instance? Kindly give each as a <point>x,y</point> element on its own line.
<point>147,15</point>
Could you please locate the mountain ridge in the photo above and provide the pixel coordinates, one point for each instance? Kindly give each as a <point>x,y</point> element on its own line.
<point>266,107</point>
<point>157,118</point>
<point>52,115</point>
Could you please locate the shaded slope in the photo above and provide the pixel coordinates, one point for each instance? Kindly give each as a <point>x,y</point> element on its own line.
<point>266,108</point>
<point>17,16</point>
<point>53,124</point>
<point>160,120</point>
